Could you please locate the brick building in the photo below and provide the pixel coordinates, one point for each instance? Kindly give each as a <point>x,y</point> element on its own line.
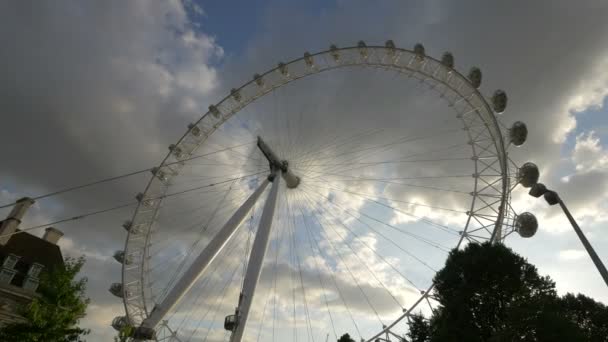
<point>23,257</point>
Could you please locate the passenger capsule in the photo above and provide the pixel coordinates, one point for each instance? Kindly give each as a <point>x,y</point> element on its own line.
<point>194,130</point>
<point>283,69</point>
<point>119,323</point>
<point>160,174</point>
<point>308,59</point>
<point>214,111</point>
<point>419,51</point>
<point>236,95</point>
<point>230,322</point>
<point>528,174</point>
<point>258,80</point>
<point>362,49</point>
<point>518,133</point>
<point>120,257</point>
<point>448,60</point>
<point>335,54</point>
<point>116,289</point>
<point>499,101</point>
<point>131,228</point>
<point>127,225</point>
<point>391,50</point>
<point>526,224</point>
<point>139,197</point>
<point>176,151</point>
<point>475,77</point>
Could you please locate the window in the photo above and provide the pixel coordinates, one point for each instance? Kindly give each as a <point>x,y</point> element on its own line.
<point>6,275</point>
<point>10,261</point>
<point>8,272</point>
<point>30,284</point>
<point>34,271</point>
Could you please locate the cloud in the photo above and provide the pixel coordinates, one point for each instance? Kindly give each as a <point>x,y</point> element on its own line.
<point>584,191</point>
<point>572,254</point>
<point>589,94</point>
<point>99,318</point>
<point>588,153</point>
<point>98,90</point>
<point>110,96</point>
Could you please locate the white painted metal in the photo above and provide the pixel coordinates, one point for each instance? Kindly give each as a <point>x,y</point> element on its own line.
<point>461,92</point>
<point>291,181</point>
<point>256,259</point>
<point>201,263</point>
<point>268,153</point>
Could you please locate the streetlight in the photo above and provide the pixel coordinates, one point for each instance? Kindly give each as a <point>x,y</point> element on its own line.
<point>553,198</point>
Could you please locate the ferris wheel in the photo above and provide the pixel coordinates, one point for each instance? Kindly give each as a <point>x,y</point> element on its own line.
<point>320,198</point>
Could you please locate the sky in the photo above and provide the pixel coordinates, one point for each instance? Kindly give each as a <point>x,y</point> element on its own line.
<point>98,89</point>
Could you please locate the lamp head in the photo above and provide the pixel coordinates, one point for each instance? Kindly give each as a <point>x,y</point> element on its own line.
<point>551,197</point>
<point>538,190</point>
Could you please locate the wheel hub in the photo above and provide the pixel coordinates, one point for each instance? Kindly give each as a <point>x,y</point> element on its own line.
<point>291,180</point>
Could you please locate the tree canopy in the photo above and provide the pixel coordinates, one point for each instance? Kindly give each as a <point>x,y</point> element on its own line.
<point>53,315</point>
<point>487,292</point>
<point>346,338</point>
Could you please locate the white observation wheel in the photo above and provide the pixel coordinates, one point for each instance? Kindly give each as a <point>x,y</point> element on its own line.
<point>286,202</point>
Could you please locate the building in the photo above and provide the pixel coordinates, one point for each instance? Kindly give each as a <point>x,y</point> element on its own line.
<point>23,256</point>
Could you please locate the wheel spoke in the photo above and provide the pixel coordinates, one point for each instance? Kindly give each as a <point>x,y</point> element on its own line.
<point>383,160</point>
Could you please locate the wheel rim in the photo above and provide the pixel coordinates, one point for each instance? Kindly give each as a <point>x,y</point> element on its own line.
<point>456,90</point>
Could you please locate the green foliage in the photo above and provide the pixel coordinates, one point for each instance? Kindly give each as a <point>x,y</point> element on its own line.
<point>487,292</point>
<point>120,338</point>
<point>54,314</point>
<point>420,330</point>
<point>590,316</point>
<point>479,285</point>
<point>346,338</point>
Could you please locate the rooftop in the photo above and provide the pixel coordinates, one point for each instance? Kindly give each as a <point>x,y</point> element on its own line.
<point>31,249</point>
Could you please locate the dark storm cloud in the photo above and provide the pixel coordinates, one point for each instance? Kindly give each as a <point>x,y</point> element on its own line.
<point>92,90</point>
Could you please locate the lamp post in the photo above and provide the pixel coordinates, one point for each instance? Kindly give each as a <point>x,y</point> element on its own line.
<point>553,198</point>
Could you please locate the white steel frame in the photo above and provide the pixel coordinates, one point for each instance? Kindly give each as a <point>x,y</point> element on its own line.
<point>482,127</point>
<point>256,259</point>
<point>219,241</point>
<point>200,264</point>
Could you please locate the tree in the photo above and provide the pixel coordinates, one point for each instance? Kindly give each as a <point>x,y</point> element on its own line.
<point>120,338</point>
<point>419,329</point>
<point>590,316</point>
<point>487,292</point>
<point>478,285</point>
<point>53,315</point>
<point>346,338</point>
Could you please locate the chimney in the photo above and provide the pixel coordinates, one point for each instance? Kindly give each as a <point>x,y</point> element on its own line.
<point>52,235</point>
<point>12,221</point>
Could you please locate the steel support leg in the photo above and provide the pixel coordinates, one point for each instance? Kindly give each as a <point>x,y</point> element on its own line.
<point>200,264</point>
<point>256,259</point>
<point>594,257</point>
